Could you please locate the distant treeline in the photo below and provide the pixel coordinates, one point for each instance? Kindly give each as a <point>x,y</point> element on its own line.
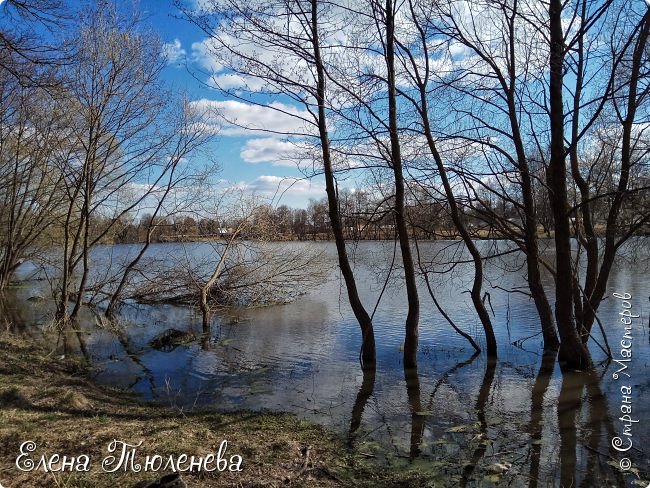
<point>363,218</point>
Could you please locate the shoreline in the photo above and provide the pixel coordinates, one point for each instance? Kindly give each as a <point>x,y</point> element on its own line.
<point>52,403</point>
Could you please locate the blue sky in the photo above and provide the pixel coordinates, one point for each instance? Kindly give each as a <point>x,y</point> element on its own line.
<point>250,160</point>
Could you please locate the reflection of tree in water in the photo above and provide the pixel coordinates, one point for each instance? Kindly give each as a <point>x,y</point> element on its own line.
<point>537,412</point>
<point>442,380</point>
<point>65,343</point>
<point>569,407</point>
<point>419,412</point>
<point>599,420</point>
<point>134,356</point>
<point>585,427</point>
<point>18,318</point>
<point>365,392</point>
<point>417,418</point>
<point>565,437</point>
<point>481,403</point>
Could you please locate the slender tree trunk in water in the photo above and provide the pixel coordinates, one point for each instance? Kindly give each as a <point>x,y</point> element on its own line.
<point>368,353</point>
<point>585,314</point>
<point>70,245</point>
<point>573,353</point>
<point>586,232</point>
<point>544,310</point>
<point>531,242</point>
<point>85,261</point>
<point>115,297</point>
<point>218,270</point>
<point>62,302</point>
<point>490,340</point>
<point>535,286</point>
<point>479,306</point>
<point>205,309</point>
<point>413,314</point>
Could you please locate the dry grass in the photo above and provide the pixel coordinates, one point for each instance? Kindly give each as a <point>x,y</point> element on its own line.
<point>50,402</point>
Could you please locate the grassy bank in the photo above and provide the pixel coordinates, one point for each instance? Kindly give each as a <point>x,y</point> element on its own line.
<point>50,401</point>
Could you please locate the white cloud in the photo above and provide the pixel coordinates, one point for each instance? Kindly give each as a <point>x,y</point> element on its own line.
<point>458,50</point>
<point>276,152</point>
<point>277,187</point>
<point>232,81</point>
<point>237,118</point>
<point>202,55</point>
<point>202,6</point>
<point>173,51</point>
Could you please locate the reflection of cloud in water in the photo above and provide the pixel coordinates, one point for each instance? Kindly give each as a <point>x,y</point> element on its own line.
<point>269,357</point>
<point>292,335</point>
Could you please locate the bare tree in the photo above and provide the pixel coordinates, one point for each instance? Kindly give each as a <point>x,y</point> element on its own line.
<point>287,31</point>
<point>127,140</point>
<point>386,19</point>
<point>190,135</point>
<point>415,57</point>
<point>528,121</point>
<point>572,351</point>
<point>29,43</point>
<point>621,149</point>
<point>240,268</point>
<point>30,185</point>
<point>29,127</point>
<point>485,84</point>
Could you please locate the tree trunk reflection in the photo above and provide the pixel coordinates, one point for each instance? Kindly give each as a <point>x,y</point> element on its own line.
<point>417,417</point>
<point>537,411</point>
<point>481,403</point>
<point>365,392</point>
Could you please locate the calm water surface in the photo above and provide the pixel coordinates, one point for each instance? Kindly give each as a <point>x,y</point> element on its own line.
<point>518,422</point>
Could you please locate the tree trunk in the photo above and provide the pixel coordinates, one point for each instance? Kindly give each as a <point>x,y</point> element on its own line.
<point>413,314</point>
<point>491,344</point>
<point>368,352</point>
<point>573,353</point>
<point>535,286</point>
<point>6,270</point>
<point>531,242</point>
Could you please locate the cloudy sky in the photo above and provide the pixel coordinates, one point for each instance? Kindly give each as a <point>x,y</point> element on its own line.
<point>253,160</point>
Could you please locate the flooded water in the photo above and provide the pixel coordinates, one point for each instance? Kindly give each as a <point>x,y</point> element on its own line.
<point>516,422</point>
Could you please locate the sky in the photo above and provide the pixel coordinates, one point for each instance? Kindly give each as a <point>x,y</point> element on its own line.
<point>249,160</point>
